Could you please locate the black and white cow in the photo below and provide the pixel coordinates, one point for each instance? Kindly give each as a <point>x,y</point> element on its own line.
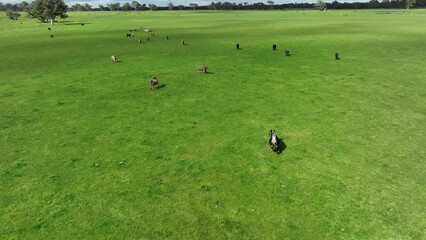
<point>154,83</point>
<point>273,141</point>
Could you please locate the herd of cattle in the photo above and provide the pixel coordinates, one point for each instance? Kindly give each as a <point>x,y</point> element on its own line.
<point>202,68</point>
<point>276,144</point>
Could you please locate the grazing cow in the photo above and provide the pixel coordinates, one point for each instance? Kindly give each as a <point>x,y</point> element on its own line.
<point>128,35</point>
<point>51,36</point>
<point>273,141</point>
<point>114,58</point>
<point>237,46</point>
<point>49,29</point>
<point>287,52</point>
<point>82,24</point>
<point>154,83</point>
<point>274,47</point>
<point>202,68</point>
<point>337,56</point>
<point>183,42</point>
<point>167,37</point>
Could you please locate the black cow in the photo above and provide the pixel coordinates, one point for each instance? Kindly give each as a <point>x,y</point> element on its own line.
<point>183,42</point>
<point>237,46</point>
<point>274,47</point>
<point>167,37</point>
<point>337,56</point>
<point>51,36</point>
<point>82,24</point>
<point>49,29</point>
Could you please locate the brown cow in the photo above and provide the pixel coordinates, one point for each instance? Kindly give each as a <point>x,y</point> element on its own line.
<point>202,68</point>
<point>114,58</point>
<point>154,83</point>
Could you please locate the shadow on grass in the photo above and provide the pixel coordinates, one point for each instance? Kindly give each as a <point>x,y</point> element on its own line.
<point>281,146</point>
<point>161,86</point>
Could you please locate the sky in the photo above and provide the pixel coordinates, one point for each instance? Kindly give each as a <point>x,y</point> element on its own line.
<point>95,3</point>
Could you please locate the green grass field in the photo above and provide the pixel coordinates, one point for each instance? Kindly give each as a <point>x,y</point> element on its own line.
<point>89,151</point>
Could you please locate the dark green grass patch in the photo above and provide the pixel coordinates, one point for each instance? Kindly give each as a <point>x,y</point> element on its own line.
<point>88,150</point>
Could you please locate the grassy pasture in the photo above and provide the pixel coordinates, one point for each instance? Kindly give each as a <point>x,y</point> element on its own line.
<point>89,151</point>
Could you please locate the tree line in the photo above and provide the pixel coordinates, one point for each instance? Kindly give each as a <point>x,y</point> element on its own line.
<point>49,10</point>
<point>269,5</point>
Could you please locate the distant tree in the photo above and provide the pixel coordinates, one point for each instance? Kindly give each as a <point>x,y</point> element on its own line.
<point>126,7</point>
<point>47,10</point>
<point>114,6</point>
<point>271,4</point>
<point>101,7</point>
<point>152,7</point>
<point>170,5</point>
<point>410,3</point>
<point>136,5</point>
<point>193,5</point>
<point>13,7</point>
<point>12,14</point>
<point>385,3</point>
<point>373,4</point>
<point>87,7</point>
<point>259,6</point>
<point>181,7</point>
<point>320,5</point>
<point>2,7</point>
<point>23,6</point>
<point>212,6</point>
<point>77,7</point>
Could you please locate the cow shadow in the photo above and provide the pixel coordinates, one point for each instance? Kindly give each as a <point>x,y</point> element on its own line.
<point>281,146</point>
<point>161,86</point>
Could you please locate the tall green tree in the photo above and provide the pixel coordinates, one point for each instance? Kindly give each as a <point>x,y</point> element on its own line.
<point>136,5</point>
<point>23,5</point>
<point>126,7</point>
<point>48,10</point>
